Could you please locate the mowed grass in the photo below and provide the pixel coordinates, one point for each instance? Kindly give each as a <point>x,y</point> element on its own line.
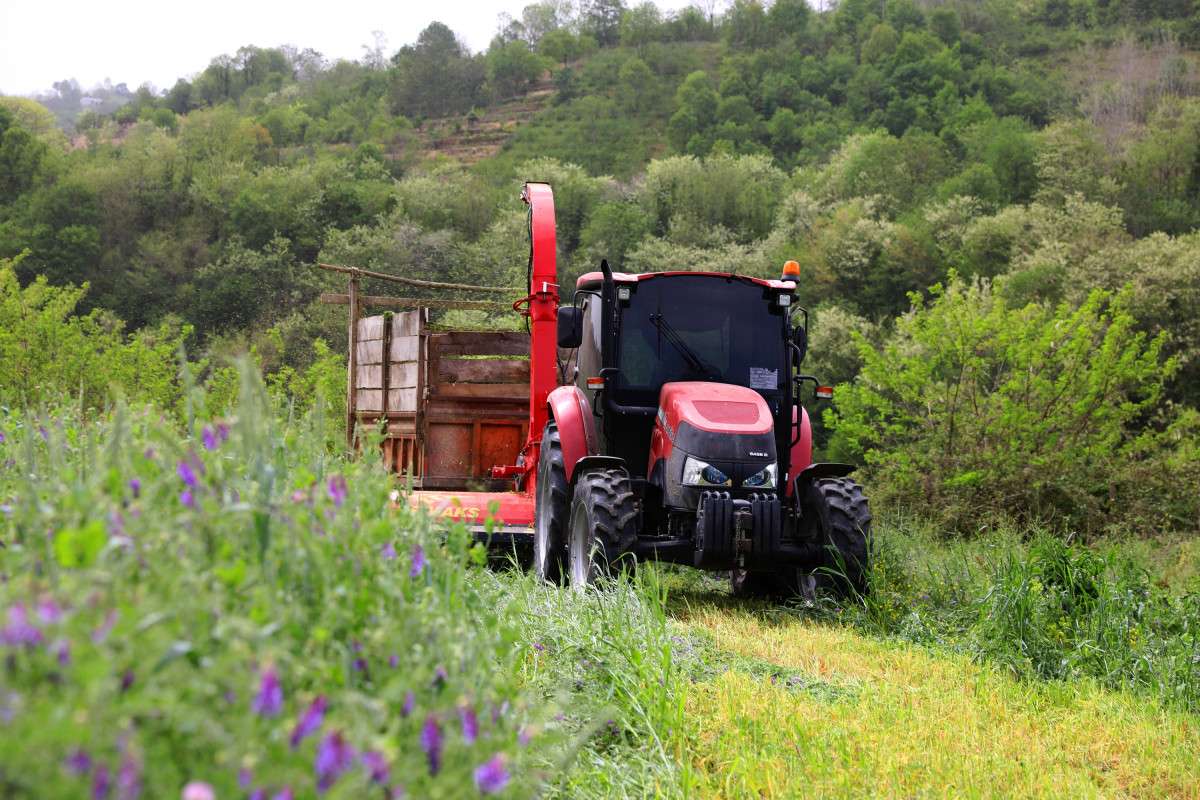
<point>822,711</point>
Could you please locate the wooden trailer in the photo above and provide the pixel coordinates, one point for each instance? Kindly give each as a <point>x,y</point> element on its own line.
<point>451,405</point>
<point>461,412</point>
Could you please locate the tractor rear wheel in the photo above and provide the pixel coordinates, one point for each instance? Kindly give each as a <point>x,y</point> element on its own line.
<point>603,526</point>
<point>836,514</point>
<point>550,509</point>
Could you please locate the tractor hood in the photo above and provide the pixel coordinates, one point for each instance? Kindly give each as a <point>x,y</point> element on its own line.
<point>713,407</point>
<point>728,427</point>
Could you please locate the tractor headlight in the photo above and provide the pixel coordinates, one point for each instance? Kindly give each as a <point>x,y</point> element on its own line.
<point>763,479</point>
<point>701,473</point>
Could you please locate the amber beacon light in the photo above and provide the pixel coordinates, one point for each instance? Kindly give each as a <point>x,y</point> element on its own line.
<point>791,271</point>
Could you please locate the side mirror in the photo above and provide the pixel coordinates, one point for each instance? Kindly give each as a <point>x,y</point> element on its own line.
<point>800,340</point>
<point>570,327</point>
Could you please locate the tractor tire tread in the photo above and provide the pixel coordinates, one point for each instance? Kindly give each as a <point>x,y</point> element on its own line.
<point>560,495</point>
<point>614,512</point>
<point>849,532</point>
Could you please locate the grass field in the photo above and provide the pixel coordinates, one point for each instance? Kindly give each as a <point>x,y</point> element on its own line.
<point>228,603</point>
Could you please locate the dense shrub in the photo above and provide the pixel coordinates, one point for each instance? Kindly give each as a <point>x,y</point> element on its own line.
<point>975,408</point>
<point>47,351</point>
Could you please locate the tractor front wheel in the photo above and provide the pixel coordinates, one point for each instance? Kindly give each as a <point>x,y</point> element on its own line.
<point>603,526</point>
<point>550,509</point>
<point>836,514</point>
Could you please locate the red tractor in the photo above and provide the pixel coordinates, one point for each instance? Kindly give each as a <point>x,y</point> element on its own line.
<point>664,423</point>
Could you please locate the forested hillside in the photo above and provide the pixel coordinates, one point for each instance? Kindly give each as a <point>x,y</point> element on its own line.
<point>1025,168</point>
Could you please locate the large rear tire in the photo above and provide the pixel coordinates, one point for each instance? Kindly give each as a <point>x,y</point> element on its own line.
<point>550,509</point>
<point>836,514</point>
<point>603,527</point>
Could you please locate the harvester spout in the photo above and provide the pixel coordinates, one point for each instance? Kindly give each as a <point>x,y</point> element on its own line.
<point>541,307</point>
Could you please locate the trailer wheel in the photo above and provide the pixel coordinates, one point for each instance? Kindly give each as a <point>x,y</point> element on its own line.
<point>837,516</point>
<point>603,526</point>
<point>550,509</point>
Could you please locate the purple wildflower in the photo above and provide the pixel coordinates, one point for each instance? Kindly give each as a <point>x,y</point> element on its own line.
<point>19,631</point>
<point>310,721</point>
<point>418,562</point>
<point>283,794</point>
<point>388,552</point>
<point>470,724</point>
<point>49,612</point>
<point>431,743</point>
<point>258,794</point>
<point>5,508</point>
<point>439,677</point>
<point>524,736</point>
<point>539,646</point>
<point>45,434</point>
<point>187,499</point>
<point>222,432</point>
<point>150,453</point>
<point>116,529</point>
<point>492,775</point>
<point>337,489</point>
<point>269,700</point>
<point>187,474</point>
<point>62,652</point>
<point>101,783</point>
<point>78,762</point>
<point>334,756</point>
<point>101,633</point>
<point>359,665</point>
<point>126,680</point>
<point>410,701</point>
<point>376,766</point>
<point>198,790</point>
<point>209,437</point>
<point>135,487</point>
<point>299,496</point>
<point>1,437</point>
<point>245,778</point>
<point>129,778</point>
<point>393,661</point>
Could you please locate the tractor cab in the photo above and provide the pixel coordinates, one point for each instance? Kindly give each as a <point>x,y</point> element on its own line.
<point>670,342</point>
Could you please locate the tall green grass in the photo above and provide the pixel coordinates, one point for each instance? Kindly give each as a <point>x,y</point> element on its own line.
<point>1041,606</point>
<point>156,583</point>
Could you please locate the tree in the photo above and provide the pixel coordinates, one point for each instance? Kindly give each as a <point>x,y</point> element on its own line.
<point>21,157</point>
<point>601,19</point>
<point>745,25</point>
<point>641,25</point>
<point>788,19</point>
<point>696,107</point>
<point>436,76</point>
<point>560,45</point>
<point>512,68</point>
<point>636,86</point>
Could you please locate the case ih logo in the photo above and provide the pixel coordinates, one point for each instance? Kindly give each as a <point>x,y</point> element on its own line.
<point>758,455</point>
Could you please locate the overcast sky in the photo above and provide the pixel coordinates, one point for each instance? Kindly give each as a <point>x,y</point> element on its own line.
<point>135,41</point>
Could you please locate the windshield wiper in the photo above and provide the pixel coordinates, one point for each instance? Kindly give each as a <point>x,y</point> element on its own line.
<point>689,355</point>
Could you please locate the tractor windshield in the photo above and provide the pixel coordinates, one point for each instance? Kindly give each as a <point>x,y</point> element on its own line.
<point>698,327</point>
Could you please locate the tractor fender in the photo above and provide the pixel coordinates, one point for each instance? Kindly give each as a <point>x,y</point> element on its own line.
<point>589,463</point>
<point>800,457</point>
<point>572,413</point>
<point>824,469</point>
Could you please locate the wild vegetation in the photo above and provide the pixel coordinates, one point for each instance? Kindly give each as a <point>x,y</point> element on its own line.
<point>996,212</point>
